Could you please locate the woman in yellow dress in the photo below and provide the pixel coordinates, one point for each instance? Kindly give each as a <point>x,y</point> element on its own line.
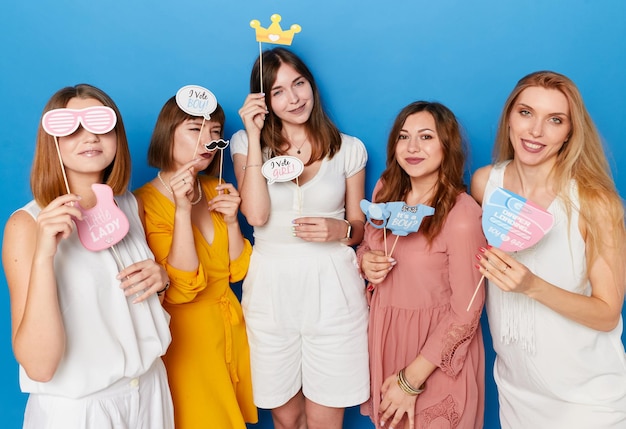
<point>191,226</point>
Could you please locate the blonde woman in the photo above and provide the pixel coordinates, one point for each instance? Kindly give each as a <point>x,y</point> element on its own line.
<point>555,309</point>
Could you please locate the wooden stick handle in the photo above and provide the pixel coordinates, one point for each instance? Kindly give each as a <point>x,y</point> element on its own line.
<point>475,292</point>
<point>394,245</point>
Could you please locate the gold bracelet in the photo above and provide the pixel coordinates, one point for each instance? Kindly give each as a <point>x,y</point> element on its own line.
<point>244,167</point>
<point>348,231</point>
<point>406,387</point>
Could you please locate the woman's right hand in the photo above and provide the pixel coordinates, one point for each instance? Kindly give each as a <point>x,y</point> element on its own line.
<point>55,223</point>
<point>253,113</point>
<point>375,265</point>
<point>183,184</point>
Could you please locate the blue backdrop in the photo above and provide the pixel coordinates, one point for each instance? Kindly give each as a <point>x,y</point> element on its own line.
<point>370,59</point>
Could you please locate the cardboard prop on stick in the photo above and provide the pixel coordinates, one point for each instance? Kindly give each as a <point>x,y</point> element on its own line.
<point>405,219</point>
<point>198,101</point>
<point>279,168</point>
<point>282,169</point>
<point>398,217</point>
<point>375,211</point>
<point>272,34</point>
<point>220,144</point>
<point>105,224</point>
<point>63,122</point>
<point>512,223</point>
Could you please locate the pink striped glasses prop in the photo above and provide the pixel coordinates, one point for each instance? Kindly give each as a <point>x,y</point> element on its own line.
<point>63,122</point>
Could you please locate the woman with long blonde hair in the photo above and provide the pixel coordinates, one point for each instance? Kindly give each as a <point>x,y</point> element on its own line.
<point>555,309</point>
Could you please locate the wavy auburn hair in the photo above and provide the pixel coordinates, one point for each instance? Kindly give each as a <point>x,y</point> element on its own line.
<point>396,183</point>
<point>582,159</point>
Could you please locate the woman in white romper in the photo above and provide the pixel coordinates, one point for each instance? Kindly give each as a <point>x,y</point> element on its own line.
<point>554,309</point>
<point>88,337</point>
<point>303,299</point>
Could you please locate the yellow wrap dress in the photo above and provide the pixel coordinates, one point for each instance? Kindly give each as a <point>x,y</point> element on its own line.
<point>208,361</point>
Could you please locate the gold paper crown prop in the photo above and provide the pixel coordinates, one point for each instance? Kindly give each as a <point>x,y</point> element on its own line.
<point>274,33</point>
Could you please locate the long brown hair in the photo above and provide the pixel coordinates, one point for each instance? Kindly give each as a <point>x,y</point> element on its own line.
<point>46,177</point>
<point>321,131</point>
<point>161,150</point>
<point>582,158</point>
<point>396,183</point>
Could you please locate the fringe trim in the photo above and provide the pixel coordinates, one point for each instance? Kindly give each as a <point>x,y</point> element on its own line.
<point>518,320</point>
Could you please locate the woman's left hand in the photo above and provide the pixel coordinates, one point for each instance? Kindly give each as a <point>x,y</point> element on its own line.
<point>227,203</point>
<point>143,279</point>
<point>319,229</point>
<point>395,404</point>
<point>504,271</point>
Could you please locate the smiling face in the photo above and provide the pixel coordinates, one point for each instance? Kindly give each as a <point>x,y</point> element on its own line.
<point>539,125</point>
<point>189,142</point>
<point>291,96</point>
<point>418,150</point>
<point>84,152</point>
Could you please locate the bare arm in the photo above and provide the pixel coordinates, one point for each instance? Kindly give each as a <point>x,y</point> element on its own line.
<point>128,289</point>
<point>311,228</point>
<point>182,253</point>
<point>355,192</point>
<point>255,199</point>
<point>227,203</point>
<point>600,311</point>
<point>479,182</point>
<point>28,252</point>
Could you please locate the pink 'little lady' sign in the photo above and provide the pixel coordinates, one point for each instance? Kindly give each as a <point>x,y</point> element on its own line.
<point>103,225</point>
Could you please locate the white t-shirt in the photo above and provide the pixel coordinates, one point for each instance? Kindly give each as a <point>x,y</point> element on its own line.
<point>323,195</point>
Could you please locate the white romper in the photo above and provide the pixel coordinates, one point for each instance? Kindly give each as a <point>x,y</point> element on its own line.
<point>111,372</point>
<point>304,303</point>
<point>552,372</point>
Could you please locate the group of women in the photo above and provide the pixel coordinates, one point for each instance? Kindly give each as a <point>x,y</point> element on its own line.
<point>326,327</point>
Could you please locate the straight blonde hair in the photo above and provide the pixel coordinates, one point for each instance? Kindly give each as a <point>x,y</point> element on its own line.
<point>582,159</point>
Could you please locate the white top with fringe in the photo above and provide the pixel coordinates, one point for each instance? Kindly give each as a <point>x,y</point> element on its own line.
<point>551,371</point>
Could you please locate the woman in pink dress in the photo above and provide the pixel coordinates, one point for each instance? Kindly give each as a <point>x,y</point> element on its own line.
<point>426,348</point>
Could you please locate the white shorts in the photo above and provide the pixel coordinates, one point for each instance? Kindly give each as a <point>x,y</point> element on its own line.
<point>138,403</point>
<point>306,316</point>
